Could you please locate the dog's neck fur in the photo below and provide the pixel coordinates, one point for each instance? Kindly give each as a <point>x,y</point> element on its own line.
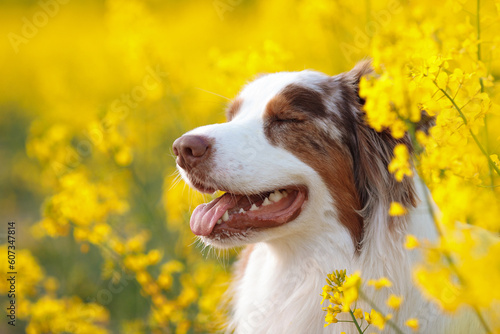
<point>285,277</point>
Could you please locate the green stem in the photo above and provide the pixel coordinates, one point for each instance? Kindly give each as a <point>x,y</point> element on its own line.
<point>355,322</point>
<point>447,256</point>
<point>491,163</point>
<point>481,320</point>
<point>486,132</point>
<point>478,28</point>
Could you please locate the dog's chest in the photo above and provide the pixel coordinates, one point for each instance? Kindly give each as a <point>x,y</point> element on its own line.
<point>277,297</point>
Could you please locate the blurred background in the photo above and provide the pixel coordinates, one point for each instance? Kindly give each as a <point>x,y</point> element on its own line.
<point>92,95</point>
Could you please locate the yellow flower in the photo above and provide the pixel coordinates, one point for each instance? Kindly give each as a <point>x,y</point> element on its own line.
<point>164,281</point>
<point>397,209</point>
<point>173,266</point>
<point>154,256</point>
<point>51,284</point>
<point>394,301</point>
<point>331,318</point>
<point>350,290</point>
<point>336,298</point>
<point>58,315</point>
<point>494,158</point>
<point>143,277</point>
<point>439,282</point>
<point>412,323</point>
<point>358,313</point>
<point>400,165</point>
<point>383,282</point>
<point>325,296</point>
<point>411,242</point>
<point>376,319</point>
<point>123,156</point>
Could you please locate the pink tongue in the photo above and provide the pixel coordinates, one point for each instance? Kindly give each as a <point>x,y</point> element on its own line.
<point>206,215</point>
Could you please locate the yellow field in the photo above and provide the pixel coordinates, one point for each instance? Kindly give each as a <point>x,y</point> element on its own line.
<point>93,93</point>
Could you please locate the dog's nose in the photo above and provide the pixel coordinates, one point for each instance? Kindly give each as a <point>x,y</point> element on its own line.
<point>190,150</point>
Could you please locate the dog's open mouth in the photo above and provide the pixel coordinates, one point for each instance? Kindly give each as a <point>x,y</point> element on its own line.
<point>231,214</point>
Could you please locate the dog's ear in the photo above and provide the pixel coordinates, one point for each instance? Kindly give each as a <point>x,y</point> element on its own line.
<point>372,152</point>
<point>362,68</point>
<point>353,77</point>
<point>374,183</point>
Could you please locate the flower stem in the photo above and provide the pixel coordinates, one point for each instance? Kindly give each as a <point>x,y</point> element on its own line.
<point>355,322</point>
<point>483,150</point>
<point>373,306</point>
<point>481,320</point>
<point>478,29</point>
<point>440,233</point>
<point>486,132</point>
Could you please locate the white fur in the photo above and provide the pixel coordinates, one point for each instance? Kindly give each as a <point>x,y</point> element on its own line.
<point>280,289</point>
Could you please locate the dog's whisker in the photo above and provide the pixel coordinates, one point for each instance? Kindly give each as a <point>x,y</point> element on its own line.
<point>175,181</point>
<point>196,242</point>
<point>207,91</point>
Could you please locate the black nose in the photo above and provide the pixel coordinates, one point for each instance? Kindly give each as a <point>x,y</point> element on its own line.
<point>191,150</point>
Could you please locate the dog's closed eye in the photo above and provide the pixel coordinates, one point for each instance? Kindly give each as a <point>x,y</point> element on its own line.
<point>288,119</point>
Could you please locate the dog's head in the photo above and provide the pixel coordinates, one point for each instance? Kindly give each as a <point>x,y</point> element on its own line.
<point>295,152</point>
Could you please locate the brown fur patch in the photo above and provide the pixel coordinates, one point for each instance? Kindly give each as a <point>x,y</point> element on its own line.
<point>304,100</point>
<point>353,167</point>
<point>295,104</point>
<point>371,153</point>
<point>233,108</point>
<point>290,123</point>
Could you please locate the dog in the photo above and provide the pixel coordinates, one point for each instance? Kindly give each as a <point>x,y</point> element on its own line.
<point>307,191</point>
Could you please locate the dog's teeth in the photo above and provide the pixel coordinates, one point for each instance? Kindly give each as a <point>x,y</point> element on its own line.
<point>266,202</point>
<point>275,196</point>
<point>225,217</point>
<point>254,207</point>
<point>284,193</point>
<point>241,210</point>
<point>219,222</point>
